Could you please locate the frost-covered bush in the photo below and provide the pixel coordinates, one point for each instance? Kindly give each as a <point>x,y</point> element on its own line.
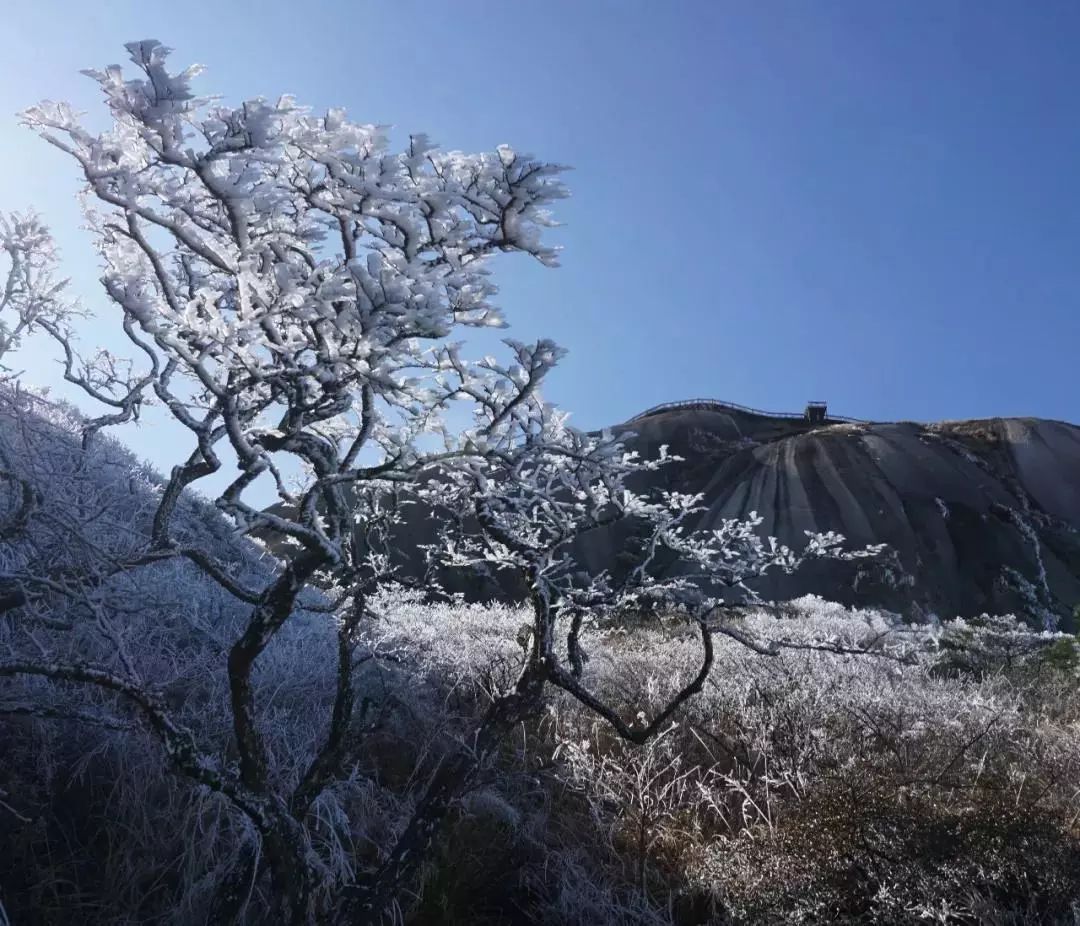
<point>830,784</point>
<point>854,774</point>
<point>291,290</point>
<point>76,771</point>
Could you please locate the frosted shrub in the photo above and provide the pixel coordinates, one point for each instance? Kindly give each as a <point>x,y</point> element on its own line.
<point>709,815</point>
<point>292,290</point>
<point>892,739</point>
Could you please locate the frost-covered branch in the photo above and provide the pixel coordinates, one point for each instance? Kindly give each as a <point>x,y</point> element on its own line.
<point>302,354</point>
<point>289,286</point>
<point>32,294</point>
<point>178,742</point>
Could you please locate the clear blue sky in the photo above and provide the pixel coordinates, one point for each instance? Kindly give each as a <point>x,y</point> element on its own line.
<point>876,204</point>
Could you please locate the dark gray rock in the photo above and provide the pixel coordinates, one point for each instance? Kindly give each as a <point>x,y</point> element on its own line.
<point>982,515</point>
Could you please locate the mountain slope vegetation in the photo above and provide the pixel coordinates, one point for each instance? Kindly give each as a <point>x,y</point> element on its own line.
<point>956,744</point>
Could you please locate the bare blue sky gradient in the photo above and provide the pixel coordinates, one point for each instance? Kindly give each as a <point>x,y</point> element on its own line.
<point>873,203</point>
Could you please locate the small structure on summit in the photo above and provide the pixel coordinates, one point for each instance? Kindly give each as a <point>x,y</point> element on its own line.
<point>816,412</point>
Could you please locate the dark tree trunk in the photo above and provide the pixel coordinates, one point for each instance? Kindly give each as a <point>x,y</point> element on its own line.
<point>294,881</point>
<point>367,905</point>
<point>233,892</point>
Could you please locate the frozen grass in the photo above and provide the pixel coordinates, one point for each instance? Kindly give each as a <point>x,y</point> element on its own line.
<point>933,778</point>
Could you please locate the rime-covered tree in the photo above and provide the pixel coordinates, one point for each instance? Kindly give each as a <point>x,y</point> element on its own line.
<point>291,287</point>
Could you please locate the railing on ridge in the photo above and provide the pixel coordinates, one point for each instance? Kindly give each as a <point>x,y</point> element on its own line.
<point>717,404</point>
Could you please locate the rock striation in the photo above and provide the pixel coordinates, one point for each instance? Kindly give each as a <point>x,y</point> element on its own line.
<point>983,516</point>
<point>980,516</point>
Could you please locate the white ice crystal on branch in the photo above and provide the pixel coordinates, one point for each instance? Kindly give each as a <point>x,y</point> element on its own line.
<point>287,275</point>
<point>292,288</point>
<point>32,295</point>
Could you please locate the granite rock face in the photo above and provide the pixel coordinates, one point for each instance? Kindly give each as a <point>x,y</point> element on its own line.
<point>983,516</point>
<point>980,516</point>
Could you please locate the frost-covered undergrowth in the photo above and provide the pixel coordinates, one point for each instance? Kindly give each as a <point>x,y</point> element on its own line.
<point>866,771</point>
<point>93,827</point>
<point>934,779</point>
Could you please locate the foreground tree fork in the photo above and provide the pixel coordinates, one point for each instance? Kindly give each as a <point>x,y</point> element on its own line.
<point>290,287</point>
<point>526,510</point>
